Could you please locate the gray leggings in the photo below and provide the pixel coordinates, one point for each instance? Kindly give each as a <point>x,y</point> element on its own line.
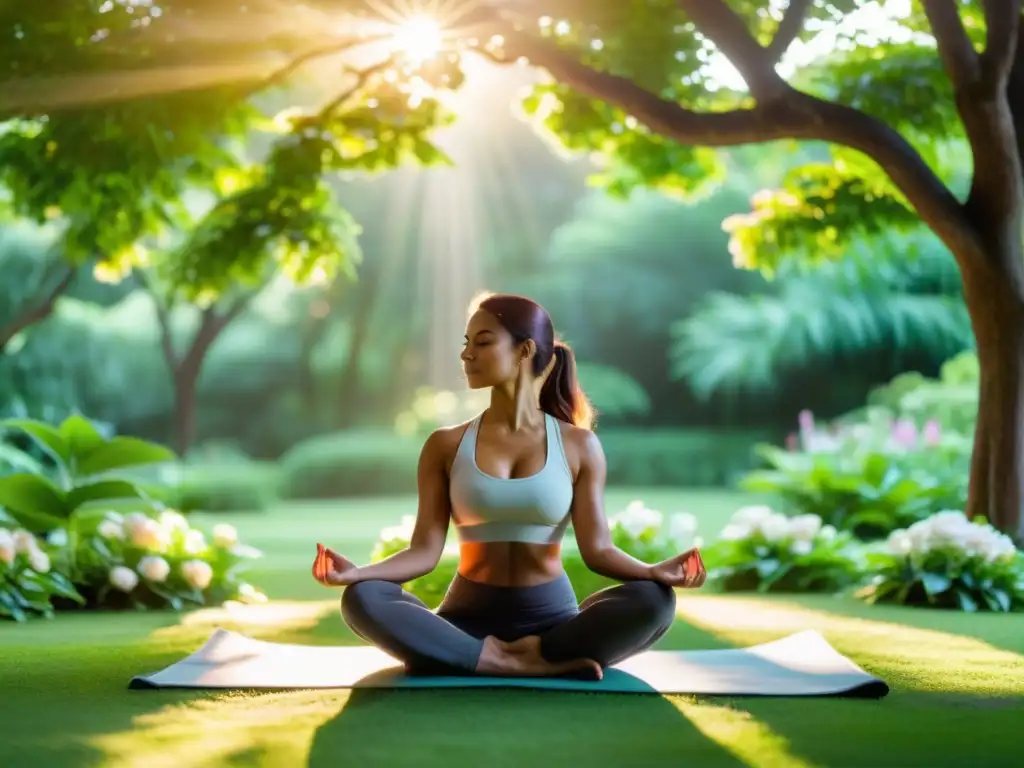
<point>609,626</point>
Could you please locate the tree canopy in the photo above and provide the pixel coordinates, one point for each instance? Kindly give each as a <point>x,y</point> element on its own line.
<point>119,109</point>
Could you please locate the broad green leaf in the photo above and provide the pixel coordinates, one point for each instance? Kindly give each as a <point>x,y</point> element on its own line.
<point>80,436</point>
<point>121,453</point>
<point>49,438</point>
<point>34,501</point>
<point>104,490</point>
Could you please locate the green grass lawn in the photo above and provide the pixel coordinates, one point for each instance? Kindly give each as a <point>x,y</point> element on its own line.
<point>957,680</point>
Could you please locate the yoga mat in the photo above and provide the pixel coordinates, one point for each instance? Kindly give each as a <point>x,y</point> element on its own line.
<point>803,664</point>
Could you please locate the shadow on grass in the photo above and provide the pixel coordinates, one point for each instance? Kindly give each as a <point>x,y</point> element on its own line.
<point>513,726</point>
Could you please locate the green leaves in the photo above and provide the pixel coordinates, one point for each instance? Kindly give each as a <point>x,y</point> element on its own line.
<point>635,156</point>
<point>85,460</point>
<point>35,502</point>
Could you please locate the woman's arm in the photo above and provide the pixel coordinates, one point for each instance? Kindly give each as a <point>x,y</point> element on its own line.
<point>432,516</point>
<point>588,519</point>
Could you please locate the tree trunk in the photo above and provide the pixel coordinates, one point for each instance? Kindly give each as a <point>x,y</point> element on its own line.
<point>186,379</point>
<point>997,464</point>
<point>349,383</point>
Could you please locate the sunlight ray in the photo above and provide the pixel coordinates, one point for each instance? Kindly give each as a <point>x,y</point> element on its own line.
<point>740,734</point>
<point>217,730</point>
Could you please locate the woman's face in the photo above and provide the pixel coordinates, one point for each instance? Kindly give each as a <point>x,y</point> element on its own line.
<point>490,356</point>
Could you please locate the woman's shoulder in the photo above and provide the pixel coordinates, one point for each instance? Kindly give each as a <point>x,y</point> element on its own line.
<point>443,442</point>
<point>582,445</point>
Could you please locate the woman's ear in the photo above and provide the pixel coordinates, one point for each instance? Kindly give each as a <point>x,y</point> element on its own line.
<point>529,350</point>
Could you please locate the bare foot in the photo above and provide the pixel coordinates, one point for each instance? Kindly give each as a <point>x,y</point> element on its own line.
<point>522,658</point>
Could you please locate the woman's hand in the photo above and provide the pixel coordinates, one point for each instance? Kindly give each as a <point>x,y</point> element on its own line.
<point>331,569</point>
<point>685,570</point>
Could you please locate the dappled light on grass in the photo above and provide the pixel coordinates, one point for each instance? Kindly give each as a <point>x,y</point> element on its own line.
<point>740,733</point>
<point>905,656</point>
<point>265,622</point>
<point>273,729</point>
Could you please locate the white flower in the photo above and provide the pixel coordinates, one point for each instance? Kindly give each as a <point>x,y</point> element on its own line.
<point>195,542</point>
<point>7,551</point>
<point>225,536</point>
<point>735,532</point>
<point>197,573</point>
<point>775,527</point>
<point>899,543</point>
<point>949,527</point>
<point>801,547</point>
<point>24,542</point>
<point>39,561</point>
<point>804,527</point>
<point>681,527</point>
<point>751,516</point>
<point>122,578</point>
<point>827,532</point>
<point>146,533</point>
<point>111,530</point>
<point>401,532</point>
<point>173,520</point>
<point>637,519</point>
<point>154,568</point>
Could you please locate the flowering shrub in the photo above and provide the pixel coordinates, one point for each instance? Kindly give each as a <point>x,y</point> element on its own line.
<point>947,561</point>
<point>645,533</point>
<point>764,550</point>
<point>28,583</point>
<point>868,477</point>
<point>150,557</point>
<point>141,561</point>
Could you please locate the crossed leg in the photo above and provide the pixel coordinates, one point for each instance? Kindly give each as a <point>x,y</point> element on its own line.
<point>611,625</point>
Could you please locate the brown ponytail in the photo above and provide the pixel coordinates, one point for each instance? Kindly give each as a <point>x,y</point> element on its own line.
<point>525,319</point>
<point>561,396</point>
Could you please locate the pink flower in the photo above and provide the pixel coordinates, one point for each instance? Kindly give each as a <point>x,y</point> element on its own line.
<point>792,442</point>
<point>806,420</point>
<point>904,432</point>
<point>932,432</point>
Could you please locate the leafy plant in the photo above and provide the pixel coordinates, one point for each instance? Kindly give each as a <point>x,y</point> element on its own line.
<point>86,469</point>
<point>947,561</point>
<point>141,561</point>
<point>868,477</point>
<point>28,582</point>
<point>765,551</point>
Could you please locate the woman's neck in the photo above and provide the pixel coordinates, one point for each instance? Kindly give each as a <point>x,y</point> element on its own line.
<point>515,407</point>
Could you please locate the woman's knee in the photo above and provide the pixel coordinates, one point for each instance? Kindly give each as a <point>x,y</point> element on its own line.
<point>359,599</point>
<point>655,601</point>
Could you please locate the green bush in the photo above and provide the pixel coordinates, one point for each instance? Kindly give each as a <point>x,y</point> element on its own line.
<point>353,463</point>
<point>232,487</point>
<point>947,561</point>
<point>692,458</point>
<point>764,551</point>
<point>868,477</point>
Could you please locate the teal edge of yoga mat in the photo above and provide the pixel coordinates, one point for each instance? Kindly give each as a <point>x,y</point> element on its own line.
<point>614,681</point>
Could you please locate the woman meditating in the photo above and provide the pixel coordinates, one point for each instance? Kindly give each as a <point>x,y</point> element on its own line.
<point>511,481</point>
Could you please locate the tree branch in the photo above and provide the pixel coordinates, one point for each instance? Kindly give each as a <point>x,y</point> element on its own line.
<point>798,116</point>
<point>39,312</point>
<point>789,28</point>
<point>1002,21</point>
<point>958,55</point>
<point>362,78</point>
<point>727,30</point>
